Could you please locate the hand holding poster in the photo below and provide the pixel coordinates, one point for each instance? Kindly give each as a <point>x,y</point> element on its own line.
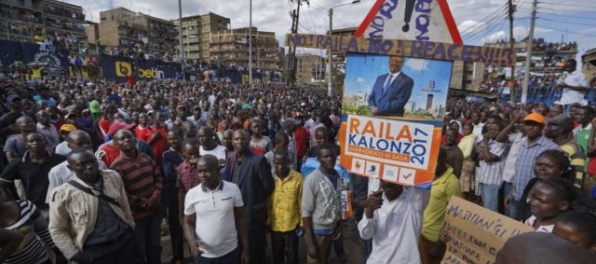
<point>477,234</point>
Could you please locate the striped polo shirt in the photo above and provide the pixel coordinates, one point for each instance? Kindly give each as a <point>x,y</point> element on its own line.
<point>142,179</point>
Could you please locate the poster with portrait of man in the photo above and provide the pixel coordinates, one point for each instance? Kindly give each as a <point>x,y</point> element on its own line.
<point>393,108</point>
<point>396,87</point>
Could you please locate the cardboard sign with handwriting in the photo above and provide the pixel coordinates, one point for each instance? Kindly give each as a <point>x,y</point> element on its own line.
<point>477,234</point>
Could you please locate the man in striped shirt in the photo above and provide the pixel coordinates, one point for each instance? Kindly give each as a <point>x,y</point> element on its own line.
<point>143,184</point>
<point>492,155</point>
<point>558,129</point>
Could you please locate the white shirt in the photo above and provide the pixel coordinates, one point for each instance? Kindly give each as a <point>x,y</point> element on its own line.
<point>478,131</point>
<point>215,226</point>
<point>63,149</point>
<point>61,174</point>
<point>395,228</point>
<point>569,96</point>
<point>219,152</point>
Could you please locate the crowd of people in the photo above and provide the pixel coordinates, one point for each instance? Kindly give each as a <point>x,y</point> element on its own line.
<point>91,170</point>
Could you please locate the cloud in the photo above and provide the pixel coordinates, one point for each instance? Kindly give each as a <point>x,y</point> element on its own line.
<point>416,64</point>
<point>519,33</point>
<point>471,26</point>
<point>360,80</point>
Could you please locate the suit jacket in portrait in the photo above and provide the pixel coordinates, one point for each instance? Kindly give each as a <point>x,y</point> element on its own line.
<point>393,100</point>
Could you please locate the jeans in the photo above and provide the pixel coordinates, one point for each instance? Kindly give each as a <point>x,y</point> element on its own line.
<point>230,258</point>
<point>147,236</point>
<point>490,196</point>
<point>284,246</point>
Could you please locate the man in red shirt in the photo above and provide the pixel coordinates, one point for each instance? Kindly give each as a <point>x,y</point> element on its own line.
<point>301,138</point>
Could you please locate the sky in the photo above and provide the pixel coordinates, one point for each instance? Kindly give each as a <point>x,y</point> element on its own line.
<point>362,71</point>
<point>478,20</point>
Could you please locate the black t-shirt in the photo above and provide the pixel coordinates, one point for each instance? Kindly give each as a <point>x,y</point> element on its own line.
<point>33,176</point>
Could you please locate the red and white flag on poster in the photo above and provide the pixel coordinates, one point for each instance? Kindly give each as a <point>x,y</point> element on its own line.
<point>417,20</point>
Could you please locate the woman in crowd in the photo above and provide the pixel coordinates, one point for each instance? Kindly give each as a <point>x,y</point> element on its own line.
<point>549,199</point>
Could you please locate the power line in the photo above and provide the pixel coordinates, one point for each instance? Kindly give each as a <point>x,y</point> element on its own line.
<point>572,17</point>
<point>567,22</point>
<point>570,32</point>
<point>495,19</point>
<point>485,21</point>
<point>568,4</point>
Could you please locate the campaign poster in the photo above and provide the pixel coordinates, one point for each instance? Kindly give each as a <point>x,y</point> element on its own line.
<point>393,116</point>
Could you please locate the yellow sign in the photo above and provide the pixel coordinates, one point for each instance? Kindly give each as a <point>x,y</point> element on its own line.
<point>407,48</point>
<point>123,69</point>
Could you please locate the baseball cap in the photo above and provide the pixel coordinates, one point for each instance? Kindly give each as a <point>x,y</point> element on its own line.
<point>535,117</point>
<point>117,126</point>
<point>562,120</point>
<point>94,107</point>
<point>68,128</point>
<point>290,121</point>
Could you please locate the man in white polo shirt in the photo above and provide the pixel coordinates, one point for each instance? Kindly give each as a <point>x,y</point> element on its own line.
<point>213,217</point>
<point>574,86</point>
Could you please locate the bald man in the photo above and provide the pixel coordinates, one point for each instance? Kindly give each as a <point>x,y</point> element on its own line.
<point>61,174</point>
<point>543,248</point>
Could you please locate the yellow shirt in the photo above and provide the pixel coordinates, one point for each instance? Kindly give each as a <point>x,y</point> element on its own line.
<point>286,202</point>
<point>441,191</point>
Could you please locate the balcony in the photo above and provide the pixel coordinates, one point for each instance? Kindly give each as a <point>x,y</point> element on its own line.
<point>65,25</point>
<point>63,12</point>
<point>20,15</point>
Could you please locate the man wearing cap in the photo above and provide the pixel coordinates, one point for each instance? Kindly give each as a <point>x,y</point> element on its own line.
<point>94,108</point>
<point>534,144</point>
<point>108,152</point>
<point>558,129</point>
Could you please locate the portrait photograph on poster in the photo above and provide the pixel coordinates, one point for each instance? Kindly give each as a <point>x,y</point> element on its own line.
<point>396,87</point>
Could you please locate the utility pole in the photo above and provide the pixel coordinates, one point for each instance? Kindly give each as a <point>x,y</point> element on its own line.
<point>250,45</point>
<point>529,53</point>
<point>291,63</point>
<point>513,92</point>
<point>181,54</point>
<point>330,57</point>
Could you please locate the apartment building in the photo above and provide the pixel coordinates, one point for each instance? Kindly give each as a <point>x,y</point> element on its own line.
<point>231,47</point>
<point>196,32</point>
<point>44,20</point>
<point>128,33</point>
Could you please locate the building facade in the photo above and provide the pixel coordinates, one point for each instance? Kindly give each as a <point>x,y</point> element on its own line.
<point>196,32</point>
<point>44,20</point>
<point>126,33</point>
<point>310,68</point>
<point>230,47</point>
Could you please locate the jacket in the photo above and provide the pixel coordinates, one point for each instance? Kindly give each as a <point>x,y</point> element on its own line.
<point>73,213</point>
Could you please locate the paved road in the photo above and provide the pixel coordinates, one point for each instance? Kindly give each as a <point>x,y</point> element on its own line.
<point>352,245</point>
